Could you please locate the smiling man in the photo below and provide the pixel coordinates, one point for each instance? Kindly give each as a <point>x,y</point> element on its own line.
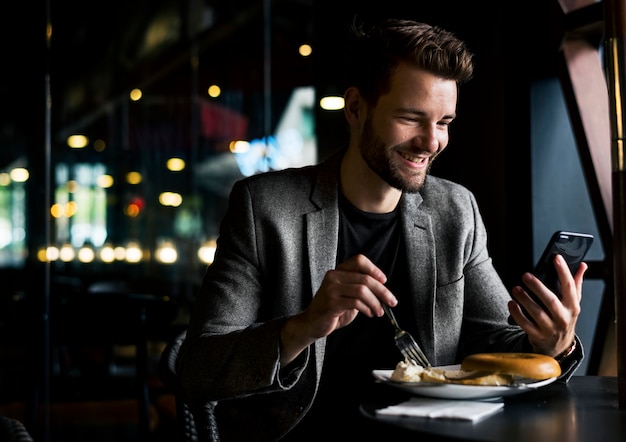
<point>289,322</point>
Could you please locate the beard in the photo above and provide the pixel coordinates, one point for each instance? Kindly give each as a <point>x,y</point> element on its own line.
<point>378,157</point>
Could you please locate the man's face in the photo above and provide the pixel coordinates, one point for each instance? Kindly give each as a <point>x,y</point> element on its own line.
<point>408,127</point>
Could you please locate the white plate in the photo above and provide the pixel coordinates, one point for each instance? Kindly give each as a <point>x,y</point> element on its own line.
<point>458,391</point>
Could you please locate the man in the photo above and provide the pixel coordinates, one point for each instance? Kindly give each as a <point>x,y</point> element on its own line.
<point>289,322</point>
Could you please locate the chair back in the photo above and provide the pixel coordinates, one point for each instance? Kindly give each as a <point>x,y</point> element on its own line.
<point>12,430</point>
<point>199,424</point>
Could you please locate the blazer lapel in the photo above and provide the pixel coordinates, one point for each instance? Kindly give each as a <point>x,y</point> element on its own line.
<point>322,235</point>
<point>420,247</point>
<point>322,227</point>
<point>322,224</point>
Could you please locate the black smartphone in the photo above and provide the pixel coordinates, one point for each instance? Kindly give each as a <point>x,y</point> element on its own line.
<point>572,246</point>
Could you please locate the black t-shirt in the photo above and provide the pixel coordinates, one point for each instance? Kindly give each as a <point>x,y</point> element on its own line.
<point>367,343</point>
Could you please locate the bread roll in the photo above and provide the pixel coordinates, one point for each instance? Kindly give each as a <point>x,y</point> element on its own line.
<point>524,365</point>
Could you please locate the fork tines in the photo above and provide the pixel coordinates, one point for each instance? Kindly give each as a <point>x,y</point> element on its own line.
<point>411,351</point>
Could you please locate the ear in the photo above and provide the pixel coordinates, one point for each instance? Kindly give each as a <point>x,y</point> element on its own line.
<point>353,103</point>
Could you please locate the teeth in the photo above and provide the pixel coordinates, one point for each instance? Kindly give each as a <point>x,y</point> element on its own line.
<point>412,159</point>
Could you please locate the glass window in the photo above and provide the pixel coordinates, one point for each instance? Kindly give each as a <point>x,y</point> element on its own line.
<point>13,247</point>
<point>153,123</point>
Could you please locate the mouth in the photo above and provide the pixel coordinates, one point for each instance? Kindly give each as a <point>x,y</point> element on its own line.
<point>415,160</point>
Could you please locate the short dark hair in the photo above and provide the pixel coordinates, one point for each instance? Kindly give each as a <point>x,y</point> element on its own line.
<point>377,51</point>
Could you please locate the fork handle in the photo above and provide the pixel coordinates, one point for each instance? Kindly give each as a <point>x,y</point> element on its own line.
<point>391,316</point>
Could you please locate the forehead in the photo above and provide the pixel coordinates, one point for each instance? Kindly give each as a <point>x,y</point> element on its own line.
<point>410,86</point>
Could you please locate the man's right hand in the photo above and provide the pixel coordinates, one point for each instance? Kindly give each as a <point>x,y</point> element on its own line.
<point>356,285</point>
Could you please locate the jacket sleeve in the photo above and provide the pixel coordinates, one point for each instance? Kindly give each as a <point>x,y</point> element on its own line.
<point>232,345</point>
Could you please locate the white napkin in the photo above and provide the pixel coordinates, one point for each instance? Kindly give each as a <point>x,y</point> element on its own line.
<point>443,409</point>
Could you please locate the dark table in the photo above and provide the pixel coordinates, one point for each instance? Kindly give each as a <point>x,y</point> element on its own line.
<point>585,409</point>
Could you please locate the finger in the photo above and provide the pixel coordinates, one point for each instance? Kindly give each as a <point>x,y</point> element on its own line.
<point>374,279</point>
<point>537,287</point>
<point>534,311</point>
<point>362,264</point>
<point>519,316</point>
<point>371,292</point>
<point>571,287</point>
<point>537,324</point>
<point>532,329</point>
<point>579,277</point>
<point>342,290</point>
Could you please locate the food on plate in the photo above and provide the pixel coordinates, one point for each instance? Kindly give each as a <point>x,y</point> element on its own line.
<point>524,365</point>
<point>494,369</point>
<point>407,371</point>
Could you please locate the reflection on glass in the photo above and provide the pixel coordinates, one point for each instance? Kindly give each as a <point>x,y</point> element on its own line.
<point>166,252</point>
<point>206,252</point>
<point>80,207</point>
<point>13,216</point>
<point>140,151</point>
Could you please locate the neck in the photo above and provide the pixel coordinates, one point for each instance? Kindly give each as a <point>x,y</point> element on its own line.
<point>364,188</point>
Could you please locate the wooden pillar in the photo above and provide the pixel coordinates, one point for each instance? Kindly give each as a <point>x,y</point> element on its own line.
<point>615,32</point>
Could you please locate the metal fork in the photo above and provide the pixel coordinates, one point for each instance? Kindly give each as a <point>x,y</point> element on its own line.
<point>405,342</point>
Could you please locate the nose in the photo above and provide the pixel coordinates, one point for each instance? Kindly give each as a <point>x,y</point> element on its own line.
<point>430,139</point>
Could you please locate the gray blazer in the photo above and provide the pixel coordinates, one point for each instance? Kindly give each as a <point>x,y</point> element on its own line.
<point>277,240</point>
